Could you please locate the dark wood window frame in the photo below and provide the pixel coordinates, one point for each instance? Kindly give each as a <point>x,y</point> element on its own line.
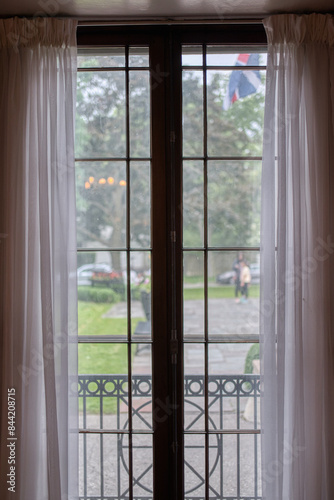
<point>166,138</point>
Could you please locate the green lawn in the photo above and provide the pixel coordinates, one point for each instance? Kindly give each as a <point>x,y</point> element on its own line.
<point>101,358</point>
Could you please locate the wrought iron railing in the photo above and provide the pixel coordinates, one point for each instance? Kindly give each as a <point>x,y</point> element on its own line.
<point>234,449</point>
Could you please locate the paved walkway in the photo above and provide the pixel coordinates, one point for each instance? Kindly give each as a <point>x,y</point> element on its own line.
<point>226,317</point>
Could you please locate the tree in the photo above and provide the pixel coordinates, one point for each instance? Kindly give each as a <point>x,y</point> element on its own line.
<point>102,185</point>
<point>233,186</point>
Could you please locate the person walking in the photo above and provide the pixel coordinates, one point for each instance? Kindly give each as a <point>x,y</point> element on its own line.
<point>245,279</point>
<point>237,269</point>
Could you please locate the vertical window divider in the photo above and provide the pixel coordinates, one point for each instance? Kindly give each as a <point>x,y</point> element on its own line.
<point>206,317</point>
<point>128,263</point>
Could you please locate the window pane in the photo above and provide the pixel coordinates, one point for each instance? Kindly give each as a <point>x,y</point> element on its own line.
<point>193,204</point>
<point>101,57</point>
<point>234,197</point>
<point>234,396</point>
<point>194,418</point>
<point>101,205</point>
<point>100,118</point>
<point>140,204</point>
<point>194,466</point>
<point>233,294</point>
<point>102,299</point>
<point>192,55</point>
<point>139,57</point>
<point>235,125</point>
<point>141,297</point>
<point>193,295</point>
<point>142,466</point>
<point>192,107</point>
<point>103,385</point>
<point>115,465</point>
<point>90,470</point>
<point>234,466</point>
<point>142,387</point>
<point>139,100</point>
<point>220,55</point>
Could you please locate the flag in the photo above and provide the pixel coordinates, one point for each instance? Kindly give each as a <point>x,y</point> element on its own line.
<point>243,83</point>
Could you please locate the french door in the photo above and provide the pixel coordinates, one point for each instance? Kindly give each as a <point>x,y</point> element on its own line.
<point>168,162</point>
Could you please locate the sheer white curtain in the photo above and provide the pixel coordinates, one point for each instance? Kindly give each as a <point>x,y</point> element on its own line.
<point>38,259</point>
<point>297,253</point>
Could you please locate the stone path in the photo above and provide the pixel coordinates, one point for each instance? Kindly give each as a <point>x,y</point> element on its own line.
<point>226,317</point>
<point>120,310</point>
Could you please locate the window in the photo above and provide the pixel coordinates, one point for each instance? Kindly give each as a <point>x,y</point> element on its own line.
<point>168,148</point>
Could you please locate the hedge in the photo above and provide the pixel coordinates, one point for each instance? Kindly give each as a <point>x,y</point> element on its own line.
<point>98,295</point>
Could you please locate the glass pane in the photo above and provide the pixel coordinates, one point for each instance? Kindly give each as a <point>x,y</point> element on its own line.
<point>103,385</point>
<point>142,466</point>
<point>101,205</point>
<point>235,107</point>
<point>193,295</point>
<point>233,467</point>
<point>247,465</point>
<point>140,125</point>
<point>141,298</point>
<point>192,108</point>
<point>233,300</point>
<point>141,387</point>
<point>194,466</point>
<point>220,55</point>
<point>102,300</point>
<point>115,465</point>
<point>234,395</point>
<point>223,465</point>
<point>90,470</point>
<point>101,113</point>
<point>192,55</point>
<point>194,417</point>
<point>140,204</point>
<point>193,204</point>
<point>101,57</point>
<point>234,198</point>
<point>139,56</point>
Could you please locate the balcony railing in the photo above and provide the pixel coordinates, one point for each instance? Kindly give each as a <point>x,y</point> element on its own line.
<point>234,448</point>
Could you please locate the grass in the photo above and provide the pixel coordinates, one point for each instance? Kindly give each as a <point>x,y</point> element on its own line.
<point>91,321</point>
<point>101,358</point>
<point>193,280</point>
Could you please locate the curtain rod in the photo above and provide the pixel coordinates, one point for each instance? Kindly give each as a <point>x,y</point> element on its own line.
<point>168,21</point>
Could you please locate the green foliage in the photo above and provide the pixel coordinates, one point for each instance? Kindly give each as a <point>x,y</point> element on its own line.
<point>253,353</point>
<point>233,185</point>
<point>98,295</point>
<point>135,292</point>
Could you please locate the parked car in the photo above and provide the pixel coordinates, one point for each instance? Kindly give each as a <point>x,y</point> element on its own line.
<point>85,272</point>
<point>255,273</point>
<point>227,278</point>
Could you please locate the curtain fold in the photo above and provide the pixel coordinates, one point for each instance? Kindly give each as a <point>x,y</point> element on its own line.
<point>297,246</point>
<point>38,259</point>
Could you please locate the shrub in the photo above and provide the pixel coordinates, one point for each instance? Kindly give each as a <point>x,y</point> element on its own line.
<point>253,353</point>
<point>135,292</point>
<point>98,295</point>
